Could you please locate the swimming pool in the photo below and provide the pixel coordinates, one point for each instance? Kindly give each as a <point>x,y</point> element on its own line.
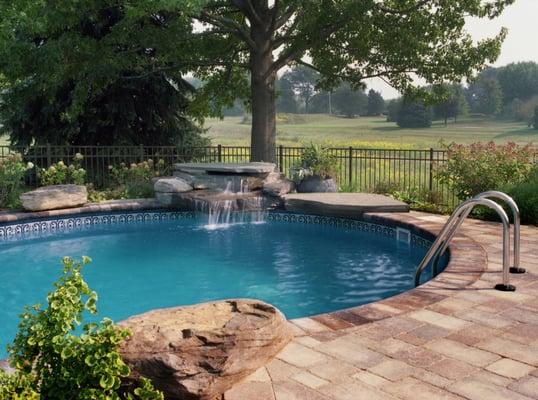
<point>304,265</point>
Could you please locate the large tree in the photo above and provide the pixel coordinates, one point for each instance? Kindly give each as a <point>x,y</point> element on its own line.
<point>218,40</point>
<point>349,101</point>
<point>341,39</point>
<point>83,72</point>
<point>376,103</point>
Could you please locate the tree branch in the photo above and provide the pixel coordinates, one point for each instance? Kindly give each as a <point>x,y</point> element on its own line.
<point>226,23</point>
<point>248,9</point>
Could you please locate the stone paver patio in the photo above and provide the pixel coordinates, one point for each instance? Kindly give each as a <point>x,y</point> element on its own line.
<point>453,338</point>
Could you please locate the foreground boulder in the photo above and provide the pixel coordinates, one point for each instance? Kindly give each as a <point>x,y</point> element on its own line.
<point>54,197</point>
<point>201,351</point>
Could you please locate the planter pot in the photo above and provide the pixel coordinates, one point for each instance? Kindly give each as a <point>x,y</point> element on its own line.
<point>315,184</point>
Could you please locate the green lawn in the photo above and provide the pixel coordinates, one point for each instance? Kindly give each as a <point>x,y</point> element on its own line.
<point>372,132</point>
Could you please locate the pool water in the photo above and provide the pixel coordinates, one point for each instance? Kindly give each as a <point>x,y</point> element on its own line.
<point>303,269</point>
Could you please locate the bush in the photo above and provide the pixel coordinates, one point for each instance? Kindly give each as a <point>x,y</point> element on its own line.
<point>315,160</point>
<point>525,195</point>
<point>61,174</point>
<point>414,114</point>
<point>479,167</point>
<point>12,172</point>
<point>51,362</point>
<point>135,180</point>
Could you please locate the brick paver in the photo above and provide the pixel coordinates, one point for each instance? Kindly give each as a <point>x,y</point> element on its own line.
<point>454,338</point>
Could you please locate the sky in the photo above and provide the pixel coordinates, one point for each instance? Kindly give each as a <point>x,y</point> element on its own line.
<point>521,43</point>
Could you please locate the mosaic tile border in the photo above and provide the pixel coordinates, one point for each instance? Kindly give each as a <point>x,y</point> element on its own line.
<point>48,227</point>
<point>346,223</point>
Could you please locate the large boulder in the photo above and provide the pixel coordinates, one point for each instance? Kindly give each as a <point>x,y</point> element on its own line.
<point>54,197</point>
<point>199,352</point>
<point>167,189</point>
<point>276,184</point>
<point>171,185</point>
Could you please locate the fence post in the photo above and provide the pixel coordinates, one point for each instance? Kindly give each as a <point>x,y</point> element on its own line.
<point>431,169</point>
<point>281,158</point>
<point>350,166</point>
<point>49,155</point>
<point>219,153</point>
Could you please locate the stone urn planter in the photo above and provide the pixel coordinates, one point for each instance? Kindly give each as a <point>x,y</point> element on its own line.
<point>315,184</point>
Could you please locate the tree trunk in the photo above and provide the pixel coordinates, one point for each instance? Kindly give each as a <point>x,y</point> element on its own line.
<point>263,132</point>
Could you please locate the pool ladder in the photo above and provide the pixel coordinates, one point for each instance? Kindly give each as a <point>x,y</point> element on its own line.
<point>455,221</point>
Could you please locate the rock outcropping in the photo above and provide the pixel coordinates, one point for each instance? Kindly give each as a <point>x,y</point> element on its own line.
<point>199,352</point>
<point>54,197</point>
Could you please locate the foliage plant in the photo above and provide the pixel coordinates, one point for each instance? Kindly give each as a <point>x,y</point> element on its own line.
<point>54,362</point>
<point>135,180</point>
<point>315,161</point>
<point>53,55</point>
<point>61,174</point>
<point>472,169</point>
<point>525,194</point>
<point>12,172</point>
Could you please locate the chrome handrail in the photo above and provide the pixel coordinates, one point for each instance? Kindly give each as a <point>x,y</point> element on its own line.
<point>452,225</point>
<point>515,268</point>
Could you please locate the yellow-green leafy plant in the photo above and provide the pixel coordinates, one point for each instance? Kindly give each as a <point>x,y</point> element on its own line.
<point>12,172</point>
<point>60,174</point>
<point>316,160</point>
<point>53,361</point>
<point>135,180</point>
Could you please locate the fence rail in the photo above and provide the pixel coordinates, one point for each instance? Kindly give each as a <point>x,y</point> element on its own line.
<point>360,169</point>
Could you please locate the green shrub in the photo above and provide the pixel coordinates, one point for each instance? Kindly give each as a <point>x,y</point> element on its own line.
<point>12,172</point>
<point>61,174</point>
<point>51,362</point>
<point>525,195</point>
<point>316,160</point>
<point>135,181</point>
<point>479,167</point>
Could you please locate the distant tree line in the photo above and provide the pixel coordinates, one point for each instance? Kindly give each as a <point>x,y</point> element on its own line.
<point>509,92</point>
<point>298,93</point>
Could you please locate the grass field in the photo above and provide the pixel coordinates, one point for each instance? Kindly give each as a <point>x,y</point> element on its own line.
<point>372,131</point>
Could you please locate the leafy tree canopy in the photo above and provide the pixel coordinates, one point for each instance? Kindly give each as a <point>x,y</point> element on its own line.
<point>217,40</point>
<point>83,72</point>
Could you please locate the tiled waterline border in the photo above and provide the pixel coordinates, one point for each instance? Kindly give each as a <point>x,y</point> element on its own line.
<point>53,225</point>
<point>468,260</point>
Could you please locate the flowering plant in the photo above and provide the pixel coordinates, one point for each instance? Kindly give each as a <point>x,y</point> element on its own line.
<point>61,174</point>
<point>135,180</point>
<point>476,168</point>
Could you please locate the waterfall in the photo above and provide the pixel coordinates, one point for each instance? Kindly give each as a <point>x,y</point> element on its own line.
<point>228,207</point>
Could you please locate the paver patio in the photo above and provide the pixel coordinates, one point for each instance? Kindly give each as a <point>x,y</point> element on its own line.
<point>454,338</point>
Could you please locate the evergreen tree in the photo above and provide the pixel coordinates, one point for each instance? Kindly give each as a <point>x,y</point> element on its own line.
<point>414,114</point>
<point>376,103</point>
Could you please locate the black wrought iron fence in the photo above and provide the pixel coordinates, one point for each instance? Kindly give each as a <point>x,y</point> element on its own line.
<point>360,169</point>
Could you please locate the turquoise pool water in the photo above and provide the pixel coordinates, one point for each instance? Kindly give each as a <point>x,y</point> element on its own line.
<point>305,267</point>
